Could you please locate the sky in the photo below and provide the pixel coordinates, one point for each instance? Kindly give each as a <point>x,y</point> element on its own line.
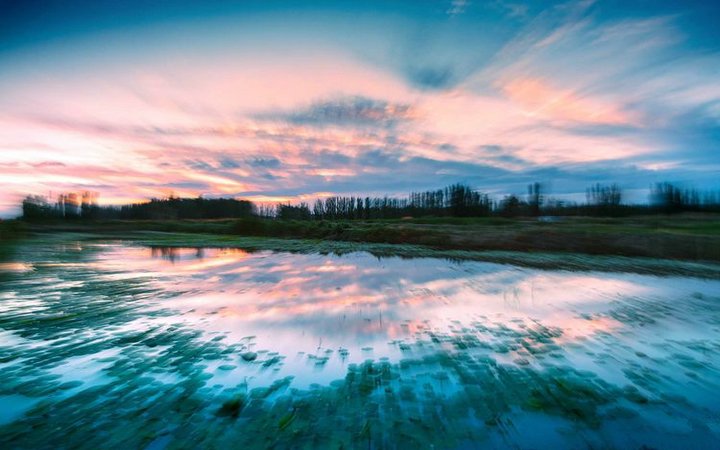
<point>290,101</point>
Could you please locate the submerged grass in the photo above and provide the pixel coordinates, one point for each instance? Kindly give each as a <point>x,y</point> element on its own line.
<point>452,390</point>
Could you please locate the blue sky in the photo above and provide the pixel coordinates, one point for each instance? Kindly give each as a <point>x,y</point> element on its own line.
<point>289,101</point>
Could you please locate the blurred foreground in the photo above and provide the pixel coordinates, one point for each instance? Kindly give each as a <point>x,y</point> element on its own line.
<point>109,344</point>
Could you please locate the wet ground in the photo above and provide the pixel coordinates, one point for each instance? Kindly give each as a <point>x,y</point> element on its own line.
<point>106,344</point>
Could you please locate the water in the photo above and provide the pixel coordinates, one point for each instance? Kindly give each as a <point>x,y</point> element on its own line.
<point>106,344</point>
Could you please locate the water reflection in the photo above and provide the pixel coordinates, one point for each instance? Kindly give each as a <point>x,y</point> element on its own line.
<point>173,254</point>
<point>275,338</point>
<point>359,300</point>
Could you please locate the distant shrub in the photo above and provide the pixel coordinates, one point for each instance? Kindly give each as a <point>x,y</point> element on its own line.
<point>251,226</point>
<point>11,229</point>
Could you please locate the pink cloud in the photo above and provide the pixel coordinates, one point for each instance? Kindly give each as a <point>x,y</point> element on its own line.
<point>539,99</point>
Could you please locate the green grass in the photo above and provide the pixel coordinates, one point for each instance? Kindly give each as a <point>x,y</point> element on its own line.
<point>693,237</point>
<point>11,229</point>
<point>12,233</point>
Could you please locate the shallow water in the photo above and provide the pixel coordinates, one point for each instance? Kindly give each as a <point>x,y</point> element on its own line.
<point>107,344</point>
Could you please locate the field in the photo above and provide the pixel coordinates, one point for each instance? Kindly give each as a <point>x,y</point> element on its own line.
<point>684,237</point>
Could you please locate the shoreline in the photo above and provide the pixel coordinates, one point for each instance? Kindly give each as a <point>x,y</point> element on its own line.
<point>578,262</point>
<point>685,237</point>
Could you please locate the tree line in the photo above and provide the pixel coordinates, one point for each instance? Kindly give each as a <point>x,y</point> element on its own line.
<point>84,207</point>
<point>457,200</point>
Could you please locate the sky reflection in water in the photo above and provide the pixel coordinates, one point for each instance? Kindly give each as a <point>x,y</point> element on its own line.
<point>356,307</point>
<point>636,354</point>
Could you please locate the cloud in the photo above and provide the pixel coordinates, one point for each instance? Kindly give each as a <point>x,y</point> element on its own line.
<point>496,95</point>
<point>354,111</point>
<point>268,162</point>
<point>539,99</point>
<point>429,77</point>
<point>457,7</point>
<point>513,10</point>
<point>571,64</point>
<point>228,163</point>
<point>45,164</point>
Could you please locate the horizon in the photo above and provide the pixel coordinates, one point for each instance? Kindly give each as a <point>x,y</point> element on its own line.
<point>287,102</point>
<point>639,197</point>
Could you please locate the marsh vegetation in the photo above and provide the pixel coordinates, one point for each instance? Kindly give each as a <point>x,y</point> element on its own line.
<point>122,343</point>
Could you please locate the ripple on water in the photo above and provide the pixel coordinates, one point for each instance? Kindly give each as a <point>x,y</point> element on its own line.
<point>351,349</point>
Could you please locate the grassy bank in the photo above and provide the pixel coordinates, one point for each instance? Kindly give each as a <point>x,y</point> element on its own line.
<point>683,237</point>
<point>11,229</point>
<point>11,232</point>
<point>251,244</point>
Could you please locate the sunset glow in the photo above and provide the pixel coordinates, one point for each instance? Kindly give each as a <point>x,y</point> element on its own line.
<point>276,103</point>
